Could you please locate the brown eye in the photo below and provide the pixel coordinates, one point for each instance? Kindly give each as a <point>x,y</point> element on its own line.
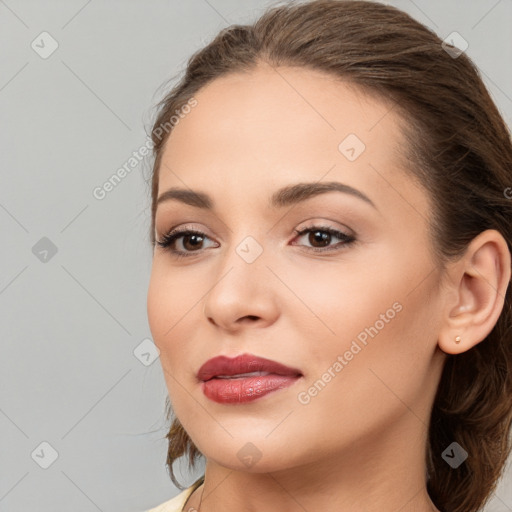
<point>191,243</point>
<point>194,241</point>
<point>320,238</point>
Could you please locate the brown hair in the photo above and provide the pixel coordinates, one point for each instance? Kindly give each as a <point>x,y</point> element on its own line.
<point>459,149</point>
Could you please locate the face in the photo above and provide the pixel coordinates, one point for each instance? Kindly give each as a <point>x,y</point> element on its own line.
<point>352,303</point>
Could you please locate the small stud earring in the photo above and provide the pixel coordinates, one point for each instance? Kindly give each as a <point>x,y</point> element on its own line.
<point>457,339</point>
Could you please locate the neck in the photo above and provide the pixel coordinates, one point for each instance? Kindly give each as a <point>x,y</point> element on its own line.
<point>385,475</point>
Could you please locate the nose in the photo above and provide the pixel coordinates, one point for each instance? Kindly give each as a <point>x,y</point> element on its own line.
<point>242,295</point>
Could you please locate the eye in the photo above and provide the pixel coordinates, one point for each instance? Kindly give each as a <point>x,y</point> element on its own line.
<point>192,241</point>
<point>322,235</point>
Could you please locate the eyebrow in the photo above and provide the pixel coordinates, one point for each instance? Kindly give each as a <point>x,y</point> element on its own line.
<point>286,196</point>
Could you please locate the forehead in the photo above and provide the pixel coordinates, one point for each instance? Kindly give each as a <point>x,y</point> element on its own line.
<point>280,126</point>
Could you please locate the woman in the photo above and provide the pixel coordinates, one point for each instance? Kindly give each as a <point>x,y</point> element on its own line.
<point>330,283</point>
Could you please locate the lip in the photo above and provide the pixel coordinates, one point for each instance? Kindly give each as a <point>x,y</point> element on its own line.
<point>240,390</point>
<point>244,363</point>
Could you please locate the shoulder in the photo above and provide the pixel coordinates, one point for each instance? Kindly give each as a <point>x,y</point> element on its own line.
<point>175,504</point>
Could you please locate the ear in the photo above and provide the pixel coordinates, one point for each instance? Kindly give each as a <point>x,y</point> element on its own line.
<point>476,291</point>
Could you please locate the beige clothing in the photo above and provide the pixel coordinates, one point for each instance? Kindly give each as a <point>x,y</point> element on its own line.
<point>176,504</point>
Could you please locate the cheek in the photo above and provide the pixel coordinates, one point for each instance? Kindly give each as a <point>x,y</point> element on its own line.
<point>163,305</point>
<point>170,300</point>
<point>173,310</point>
<point>363,387</point>
<point>376,324</point>
<point>334,304</point>
<point>157,304</point>
<point>386,357</point>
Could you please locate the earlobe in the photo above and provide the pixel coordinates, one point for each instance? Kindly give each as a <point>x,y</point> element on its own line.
<point>476,295</point>
<point>454,345</point>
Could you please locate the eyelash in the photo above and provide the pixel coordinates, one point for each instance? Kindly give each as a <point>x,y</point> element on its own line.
<point>169,238</point>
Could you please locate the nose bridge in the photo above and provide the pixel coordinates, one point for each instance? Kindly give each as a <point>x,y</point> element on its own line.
<point>243,283</point>
<point>242,266</point>
<point>247,240</point>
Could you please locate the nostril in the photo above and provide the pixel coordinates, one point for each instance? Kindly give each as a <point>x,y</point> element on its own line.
<point>249,317</point>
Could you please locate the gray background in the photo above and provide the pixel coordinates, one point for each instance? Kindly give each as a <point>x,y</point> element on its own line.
<point>72,320</point>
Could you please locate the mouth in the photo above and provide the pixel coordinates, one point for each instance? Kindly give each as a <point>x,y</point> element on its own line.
<point>244,378</point>
<point>242,375</point>
<point>243,366</point>
<point>245,388</point>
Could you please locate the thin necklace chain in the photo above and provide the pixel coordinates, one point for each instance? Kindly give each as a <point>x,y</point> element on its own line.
<point>200,500</point>
<point>199,506</point>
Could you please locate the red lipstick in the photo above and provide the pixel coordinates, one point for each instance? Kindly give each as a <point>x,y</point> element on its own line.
<point>244,378</point>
